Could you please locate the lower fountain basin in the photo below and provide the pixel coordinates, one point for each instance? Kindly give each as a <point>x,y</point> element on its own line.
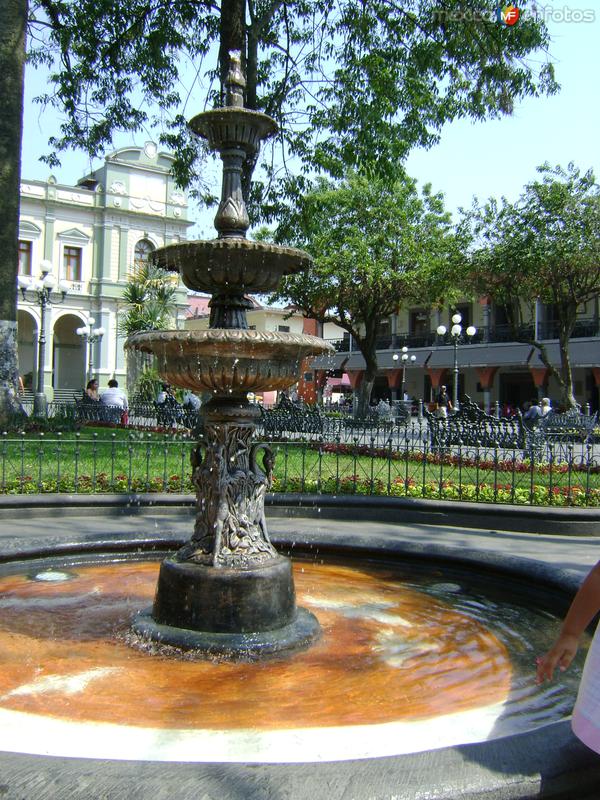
<point>233,361</point>
<point>134,761</point>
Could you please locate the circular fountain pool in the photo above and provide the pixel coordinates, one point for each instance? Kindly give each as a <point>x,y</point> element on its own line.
<point>412,657</point>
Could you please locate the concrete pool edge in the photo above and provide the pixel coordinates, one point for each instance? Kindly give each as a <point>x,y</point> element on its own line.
<point>545,520</point>
<point>546,763</point>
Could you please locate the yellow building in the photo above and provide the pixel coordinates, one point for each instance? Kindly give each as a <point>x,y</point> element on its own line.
<point>92,234</point>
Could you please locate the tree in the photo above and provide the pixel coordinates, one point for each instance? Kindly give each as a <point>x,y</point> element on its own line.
<point>150,298</point>
<point>376,247</point>
<point>348,82</point>
<point>545,246</point>
<point>13,14</point>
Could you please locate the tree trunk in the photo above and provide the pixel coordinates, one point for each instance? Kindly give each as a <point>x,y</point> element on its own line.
<point>366,387</point>
<point>251,101</point>
<point>232,36</point>
<point>567,397</point>
<point>13,14</point>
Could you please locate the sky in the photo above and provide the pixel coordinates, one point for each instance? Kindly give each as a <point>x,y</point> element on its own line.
<point>491,158</point>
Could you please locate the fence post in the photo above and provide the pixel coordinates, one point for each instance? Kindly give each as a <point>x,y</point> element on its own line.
<point>420,416</point>
<point>4,448</point>
<point>497,409</point>
<point>58,455</point>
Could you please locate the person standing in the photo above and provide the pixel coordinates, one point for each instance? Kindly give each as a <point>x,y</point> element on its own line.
<point>444,404</point>
<point>545,406</point>
<point>191,400</point>
<point>533,413</point>
<point>585,721</point>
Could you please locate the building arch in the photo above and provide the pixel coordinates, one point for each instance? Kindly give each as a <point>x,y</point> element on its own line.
<point>68,352</point>
<point>27,335</point>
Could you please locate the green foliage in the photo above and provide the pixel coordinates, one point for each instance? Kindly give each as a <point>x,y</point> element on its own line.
<point>377,247</point>
<point>348,82</point>
<point>546,246</point>
<point>147,386</point>
<point>62,421</point>
<point>150,297</point>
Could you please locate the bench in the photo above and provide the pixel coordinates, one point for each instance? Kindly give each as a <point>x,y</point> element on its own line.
<point>399,415</point>
<point>472,427</point>
<point>561,430</point>
<point>288,417</point>
<point>88,410</point>
<point>170,415</point>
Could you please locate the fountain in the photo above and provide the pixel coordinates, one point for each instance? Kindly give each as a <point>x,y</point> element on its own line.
<point>228,592</point>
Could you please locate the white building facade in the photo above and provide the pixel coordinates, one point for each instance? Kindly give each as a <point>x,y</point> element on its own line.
<point>93,235</point>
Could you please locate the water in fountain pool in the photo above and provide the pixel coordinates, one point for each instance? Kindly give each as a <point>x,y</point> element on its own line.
<point>410,658</point>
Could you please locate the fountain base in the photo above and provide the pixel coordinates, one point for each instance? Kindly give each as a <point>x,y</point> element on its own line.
<point>233,613</point>
<point>297,635</point>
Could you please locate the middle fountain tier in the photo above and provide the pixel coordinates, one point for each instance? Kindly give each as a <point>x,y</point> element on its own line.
<point>228,592</point>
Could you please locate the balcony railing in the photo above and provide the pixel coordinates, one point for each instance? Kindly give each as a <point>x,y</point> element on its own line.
<point>584,328</point>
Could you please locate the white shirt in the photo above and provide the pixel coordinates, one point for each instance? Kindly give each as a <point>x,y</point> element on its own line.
<point>190,399</point>
<point>113,396</point>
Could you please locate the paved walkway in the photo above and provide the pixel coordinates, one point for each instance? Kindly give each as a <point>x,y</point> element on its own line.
<point>569,552</point>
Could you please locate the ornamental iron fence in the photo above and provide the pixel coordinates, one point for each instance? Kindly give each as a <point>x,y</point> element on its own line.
<point>399,462</point>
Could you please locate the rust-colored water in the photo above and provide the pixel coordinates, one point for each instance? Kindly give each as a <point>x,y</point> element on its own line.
<point>387,653</point>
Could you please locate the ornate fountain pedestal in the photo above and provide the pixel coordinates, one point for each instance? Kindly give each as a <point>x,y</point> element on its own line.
<point>228,592</point>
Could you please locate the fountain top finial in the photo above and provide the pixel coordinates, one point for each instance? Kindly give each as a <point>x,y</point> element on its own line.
<point>235,83</point>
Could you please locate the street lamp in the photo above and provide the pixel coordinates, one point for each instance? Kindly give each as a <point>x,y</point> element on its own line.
<point>42,288</point>
<point>457,337</point>
<point>90,336</point>
<point>405,358</point>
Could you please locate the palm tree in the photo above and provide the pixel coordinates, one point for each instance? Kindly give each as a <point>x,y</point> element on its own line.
<point>150,306</point>
<point>150,298</point>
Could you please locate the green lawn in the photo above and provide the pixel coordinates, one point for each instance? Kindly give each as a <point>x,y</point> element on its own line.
<point>104,459</point>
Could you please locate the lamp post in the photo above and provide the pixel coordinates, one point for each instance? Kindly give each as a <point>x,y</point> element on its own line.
<point>405,358</point>
<point>457,337</point>
<point>90,336</point>
<point>42,289</point>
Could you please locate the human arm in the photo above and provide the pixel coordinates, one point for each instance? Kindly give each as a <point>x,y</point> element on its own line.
<point>584,607</point>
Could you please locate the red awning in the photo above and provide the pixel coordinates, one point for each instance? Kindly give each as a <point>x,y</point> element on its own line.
<point>339,383</point>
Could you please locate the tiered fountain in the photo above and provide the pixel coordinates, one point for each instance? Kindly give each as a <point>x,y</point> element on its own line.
<point>228,591</point>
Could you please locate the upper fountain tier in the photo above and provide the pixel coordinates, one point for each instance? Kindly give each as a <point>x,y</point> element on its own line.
<point>236,134</point>
<point>232,266</point>
<point>234,127</point>
<point>222,265</point>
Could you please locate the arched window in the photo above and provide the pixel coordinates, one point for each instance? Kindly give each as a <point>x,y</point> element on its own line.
<point>142,252</point>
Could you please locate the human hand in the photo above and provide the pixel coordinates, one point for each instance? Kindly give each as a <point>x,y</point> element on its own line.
<point>560,655</point>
